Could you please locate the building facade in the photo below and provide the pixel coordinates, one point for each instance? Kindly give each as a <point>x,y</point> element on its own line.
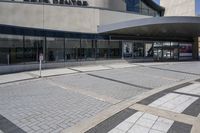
<point>179,7</point>
<point>88,30</point>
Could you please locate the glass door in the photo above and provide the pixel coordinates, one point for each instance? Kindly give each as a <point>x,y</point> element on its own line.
<point>175,50</point>
<point>157,51</point>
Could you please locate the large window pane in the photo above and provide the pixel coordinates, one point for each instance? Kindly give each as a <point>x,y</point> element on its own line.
<point>138,49</point>
<point>133,5</point>
<point>11,49</point>
<point>55,49</point>
<point>102,49</point>
<point>127,49</point>
<point>87,50</point>
<point>72,49</point>
<point>174,50</point>
<point>34,46</point>
<point>185,51</point>
<point>148,49</point>
<point>158,51</point>
<point>167,50</point>
<point>115,49</point>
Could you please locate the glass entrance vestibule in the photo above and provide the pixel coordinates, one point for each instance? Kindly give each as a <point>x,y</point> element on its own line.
<point>157,50</point>
<point>19,49</point>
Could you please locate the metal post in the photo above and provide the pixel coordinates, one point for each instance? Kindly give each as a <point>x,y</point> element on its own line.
<point>41,58</point>
<point>122,50</point>
<point>40,68</point>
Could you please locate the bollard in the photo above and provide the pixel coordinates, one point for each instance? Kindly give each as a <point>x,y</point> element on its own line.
<point>40,65</point>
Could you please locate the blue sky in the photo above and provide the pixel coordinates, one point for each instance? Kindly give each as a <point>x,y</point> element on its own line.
<point>197,5</point>
<point>157,1</point>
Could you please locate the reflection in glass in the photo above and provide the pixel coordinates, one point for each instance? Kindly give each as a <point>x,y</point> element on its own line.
<point>11,49</point>
<point>115,49</point>
<point>55,49</point>
<point>175,50</point>
<point>138,49</point>
<point>33,47</point>
<point>185,51</point>
<point>148,50</point>
<point>72,47</point>
<point>102,49</point>
<point>127,49</point>
<point>87,49</point>
<point>157,51</point>
<point>166,50</point>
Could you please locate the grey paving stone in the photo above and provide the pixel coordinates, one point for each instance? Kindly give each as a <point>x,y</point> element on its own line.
<point>38,106</point>
<point>185,67</point>
<point>112,122</point>
<point>9,127</point>
<point>144,76</point>
<point>35,104</point>
<point>156,96</point>
<point>193,109</point>
<point>178,127</point>
<point>99,86</point>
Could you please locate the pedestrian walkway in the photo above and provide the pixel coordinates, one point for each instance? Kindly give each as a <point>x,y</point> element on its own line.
<point>172,110</point>
<point>53,72</point>
<point>119,97</point>
<point>14,77</point>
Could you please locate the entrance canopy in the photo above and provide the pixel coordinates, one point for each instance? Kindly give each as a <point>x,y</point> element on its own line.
<point>163,27</point>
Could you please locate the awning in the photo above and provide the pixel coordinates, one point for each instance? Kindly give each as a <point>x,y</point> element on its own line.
<point>185,27</point>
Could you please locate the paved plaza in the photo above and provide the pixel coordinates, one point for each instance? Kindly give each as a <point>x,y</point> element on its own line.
<point>114,98</point>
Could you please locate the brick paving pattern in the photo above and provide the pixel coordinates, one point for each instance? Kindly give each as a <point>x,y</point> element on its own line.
<point>37,106</point>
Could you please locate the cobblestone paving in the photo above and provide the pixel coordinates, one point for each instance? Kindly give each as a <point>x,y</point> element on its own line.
<point>98,85</point>
<point>143,76</point>
<point>37,106</point>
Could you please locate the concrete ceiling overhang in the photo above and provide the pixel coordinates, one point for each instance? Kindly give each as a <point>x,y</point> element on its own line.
<point>182,27</point>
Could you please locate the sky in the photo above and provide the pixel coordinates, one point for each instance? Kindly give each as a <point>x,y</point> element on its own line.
<point>197,5</point>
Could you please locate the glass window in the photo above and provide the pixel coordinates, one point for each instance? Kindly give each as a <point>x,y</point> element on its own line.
<point>185,51</point>
<point>127,49</point>
<point>102,49</point>
<point>140,7</point>
<point>138,49</point>
<point>115,49</point>
<point>166,50</point>
<point>72,47</point>
<point>55,49</point>
<point>174,50</point>
<point>158,48</point>
<point>11,49</point>
<point>87,49</point>
<point>33,47</point>
<point>148,50</point>
<point>133,5</point>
